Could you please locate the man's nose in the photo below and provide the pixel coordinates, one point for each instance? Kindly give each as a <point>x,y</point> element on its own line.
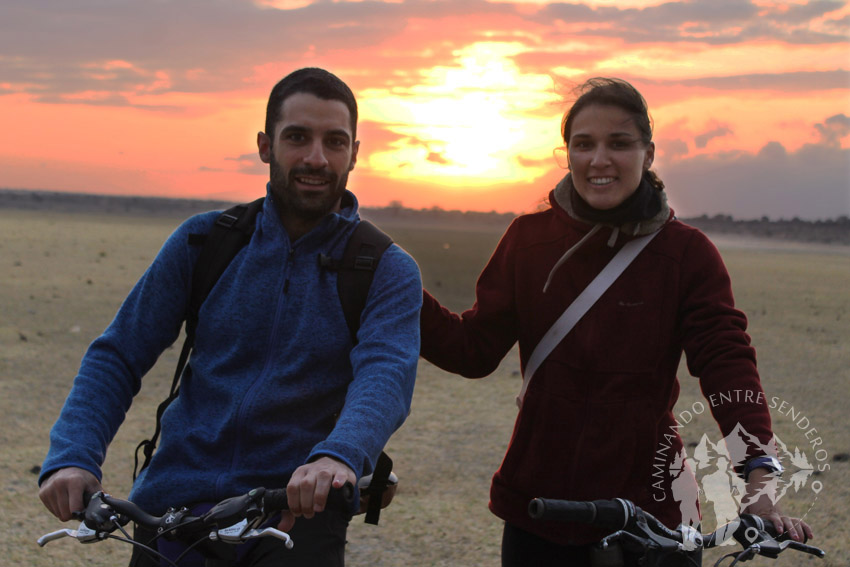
<point>315,157</point>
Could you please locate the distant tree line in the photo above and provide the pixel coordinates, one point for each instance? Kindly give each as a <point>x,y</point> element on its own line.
<point>835,231</point>
<point>110,204</point>
<point>437,215</point>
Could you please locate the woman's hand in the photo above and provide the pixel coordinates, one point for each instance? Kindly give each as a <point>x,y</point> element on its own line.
<point>761,491</point>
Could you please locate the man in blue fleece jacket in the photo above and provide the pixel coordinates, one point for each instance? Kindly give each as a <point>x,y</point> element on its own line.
<point>276,392</point>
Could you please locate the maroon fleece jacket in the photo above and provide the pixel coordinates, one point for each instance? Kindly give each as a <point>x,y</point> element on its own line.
<point>598,417</point>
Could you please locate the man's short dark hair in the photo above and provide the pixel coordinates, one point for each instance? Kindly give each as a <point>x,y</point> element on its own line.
<point>314,81</point>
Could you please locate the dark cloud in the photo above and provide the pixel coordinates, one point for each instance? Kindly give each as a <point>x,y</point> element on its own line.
<point>534,162</point>
<point>718,22</point>
<point>437,157</point>
<point>56,49</point>
<point>701,140</point>
<point>672,149</point>
<point>660,92</point>
<point>797,81</point>
<point>833,129</point>
<point>250,164</point>
<point>197,46</point>
<point>812,10</point>
<point>811,183</point>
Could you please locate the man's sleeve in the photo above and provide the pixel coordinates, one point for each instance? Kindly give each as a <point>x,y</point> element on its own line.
<point>384,365</point>
<point>148,321</point>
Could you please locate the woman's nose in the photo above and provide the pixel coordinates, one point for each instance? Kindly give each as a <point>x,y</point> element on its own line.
<point>600,156</point>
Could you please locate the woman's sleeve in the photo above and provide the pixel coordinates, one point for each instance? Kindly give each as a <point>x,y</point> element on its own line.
<point>473,343</point>
<point>719,353</point>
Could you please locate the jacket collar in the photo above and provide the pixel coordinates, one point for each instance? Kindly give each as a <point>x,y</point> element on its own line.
<point>329,225</point>
<point>561,197</point>
<point>560,200</point>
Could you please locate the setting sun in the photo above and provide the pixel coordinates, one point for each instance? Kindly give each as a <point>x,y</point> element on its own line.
<point>466,125</point>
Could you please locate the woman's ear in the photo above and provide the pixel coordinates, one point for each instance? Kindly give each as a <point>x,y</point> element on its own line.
<point>650,155</point>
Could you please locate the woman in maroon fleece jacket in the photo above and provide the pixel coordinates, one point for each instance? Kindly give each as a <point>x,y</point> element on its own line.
<point>599,411</point>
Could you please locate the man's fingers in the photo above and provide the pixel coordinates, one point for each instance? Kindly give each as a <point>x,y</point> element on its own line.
<point>310,484</point>
<point>341,478</point>
<point>299,492</point>
<point>287,520</point>
<point>75,500</point>
<point>293,496</point>
<point>320,495</point>
<point>306,491</point>
<point>62,493</point>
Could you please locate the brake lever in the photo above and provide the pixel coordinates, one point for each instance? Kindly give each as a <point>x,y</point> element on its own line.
<point>798,546</point>
<point>242,531</point>
<point>270,532</point>
<point>771,548</point>
<point>83,534</point>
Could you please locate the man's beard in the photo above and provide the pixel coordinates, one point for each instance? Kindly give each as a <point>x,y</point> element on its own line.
<point>292,202</point>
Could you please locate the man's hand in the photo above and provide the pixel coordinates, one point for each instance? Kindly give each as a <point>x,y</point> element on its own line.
<point>62,492</point>
<point>307,491</point>
<point>760,499</point>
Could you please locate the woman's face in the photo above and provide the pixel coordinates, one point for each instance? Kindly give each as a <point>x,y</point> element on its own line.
<point>607,156</point>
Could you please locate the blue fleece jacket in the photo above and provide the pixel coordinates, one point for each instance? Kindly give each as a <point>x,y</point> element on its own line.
<point>274,380</point>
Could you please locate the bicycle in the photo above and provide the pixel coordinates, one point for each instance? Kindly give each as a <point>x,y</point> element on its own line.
<point>232,521</point>
<point>642,535</point>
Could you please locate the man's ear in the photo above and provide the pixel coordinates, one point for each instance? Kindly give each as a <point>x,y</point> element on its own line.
<point>354,148</point>
<point>264,145</point>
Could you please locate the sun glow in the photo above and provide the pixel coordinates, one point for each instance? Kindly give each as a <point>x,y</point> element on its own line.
<point>466,125</point>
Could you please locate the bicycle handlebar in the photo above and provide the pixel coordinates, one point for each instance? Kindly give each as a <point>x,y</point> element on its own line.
<point>612,514</point>
<point>233,520</point>
<point>631,522</point>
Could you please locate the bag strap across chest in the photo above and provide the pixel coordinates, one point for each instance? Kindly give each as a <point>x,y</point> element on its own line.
<point>577,309</point>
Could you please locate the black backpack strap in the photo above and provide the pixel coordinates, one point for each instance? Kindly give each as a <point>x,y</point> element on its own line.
<point>379,483</point>
<point>356,270</point>
<point>230,233</point>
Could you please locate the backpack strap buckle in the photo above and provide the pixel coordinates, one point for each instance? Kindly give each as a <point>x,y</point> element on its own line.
<point>365,263</point>
<point>226,220</point>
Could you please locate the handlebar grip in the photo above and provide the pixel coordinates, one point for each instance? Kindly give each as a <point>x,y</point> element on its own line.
<point>130,510</point>
<point>339,499</point>
<point>275,500</point>
<point>613,514</point>
<point>564,510</point>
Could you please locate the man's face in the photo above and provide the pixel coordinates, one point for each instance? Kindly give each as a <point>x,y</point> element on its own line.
<point>310,155</point>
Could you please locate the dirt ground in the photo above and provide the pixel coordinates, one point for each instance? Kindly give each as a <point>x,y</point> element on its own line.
<point>63,277</point>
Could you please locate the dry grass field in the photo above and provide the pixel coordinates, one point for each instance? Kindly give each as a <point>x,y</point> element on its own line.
<point>64,275</point>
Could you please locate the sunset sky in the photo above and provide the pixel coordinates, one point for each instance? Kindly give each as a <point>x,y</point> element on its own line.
<point>460,101</point>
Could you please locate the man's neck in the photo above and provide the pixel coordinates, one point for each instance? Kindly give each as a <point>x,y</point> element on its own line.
<point>296,227</point>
